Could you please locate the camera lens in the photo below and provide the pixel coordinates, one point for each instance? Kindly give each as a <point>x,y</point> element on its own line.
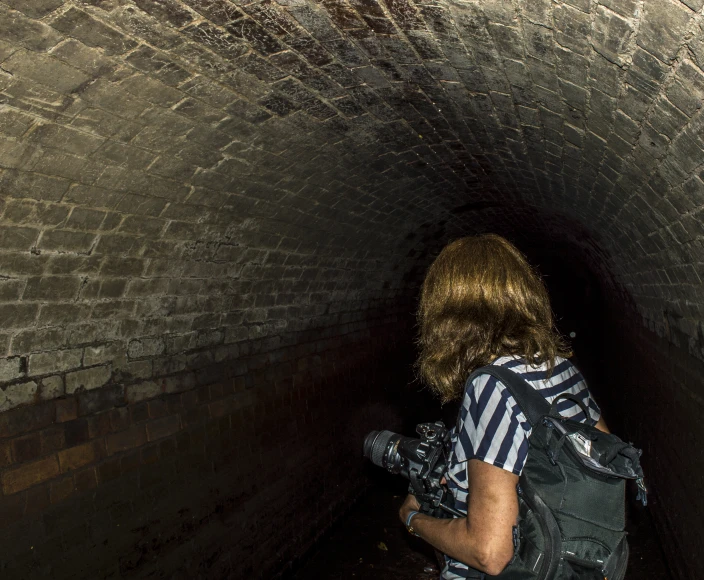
<point>375,446</point>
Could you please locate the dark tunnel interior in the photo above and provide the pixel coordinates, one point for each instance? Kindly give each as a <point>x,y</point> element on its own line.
<point>215,216</point>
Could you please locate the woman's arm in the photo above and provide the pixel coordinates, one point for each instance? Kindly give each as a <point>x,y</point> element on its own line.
<point>484,539</point>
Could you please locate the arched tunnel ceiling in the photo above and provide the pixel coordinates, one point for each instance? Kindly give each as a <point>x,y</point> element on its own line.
<point>221,161</point>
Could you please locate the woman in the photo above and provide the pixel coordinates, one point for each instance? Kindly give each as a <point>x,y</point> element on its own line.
<point>481,303</point>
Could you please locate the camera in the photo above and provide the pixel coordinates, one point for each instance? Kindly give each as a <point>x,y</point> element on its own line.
<point>422,461</point>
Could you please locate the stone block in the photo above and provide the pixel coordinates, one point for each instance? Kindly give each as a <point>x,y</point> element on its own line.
<point>20,478</point>
<point>143,391</point>
<point>166,11</point>
<point>67,241</point>
<point>17,29</point>
<point>686,91</point>
<point>146,347</point>
<point>54,361</point>
<point>18,315</point>
<point>572,28</point>
<point>80,25</point>
<point>163,427</point>
<point>88,379</point>
<point>17,394</point>
<point>10,290</point>
<point>611,35</point>
<point>35,8</point>
<point>104,353</point>
<point>45,70</point>
<point>21,184</point>
<point>663,27</point>
<point>51,388</point>
<point>52,288</point>
<point>135,436</point>
<point>14,123</point>
<point>76,457</point>
<point>67,139</point>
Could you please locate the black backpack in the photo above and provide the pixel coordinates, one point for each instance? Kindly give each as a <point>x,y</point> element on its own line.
<point>571,493</point>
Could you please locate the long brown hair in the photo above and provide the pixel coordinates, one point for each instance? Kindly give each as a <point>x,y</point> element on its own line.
<point>480,300</point>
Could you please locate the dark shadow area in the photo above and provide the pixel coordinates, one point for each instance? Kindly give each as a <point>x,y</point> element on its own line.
<point>371,543</point>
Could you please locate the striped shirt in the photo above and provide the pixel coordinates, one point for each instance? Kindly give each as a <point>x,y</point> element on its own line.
<point>492,428</point>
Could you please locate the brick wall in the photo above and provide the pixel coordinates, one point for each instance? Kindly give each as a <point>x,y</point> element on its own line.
<point>653,385</point>
<point>232,475</point>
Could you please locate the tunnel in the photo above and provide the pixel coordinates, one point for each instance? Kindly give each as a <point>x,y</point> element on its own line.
<point>215,216</point>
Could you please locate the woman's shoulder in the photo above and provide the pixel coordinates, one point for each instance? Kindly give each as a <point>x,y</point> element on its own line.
<point>542,375</point>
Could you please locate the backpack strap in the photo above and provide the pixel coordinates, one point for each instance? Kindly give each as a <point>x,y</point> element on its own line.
<point>532,403</point>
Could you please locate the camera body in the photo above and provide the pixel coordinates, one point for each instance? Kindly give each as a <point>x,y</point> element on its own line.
<point>422,461</point>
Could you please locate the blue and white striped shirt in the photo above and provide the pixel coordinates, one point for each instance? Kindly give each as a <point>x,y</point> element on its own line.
<point>494,429</point>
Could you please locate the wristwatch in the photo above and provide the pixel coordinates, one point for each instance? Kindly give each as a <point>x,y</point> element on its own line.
<point>409,527</point>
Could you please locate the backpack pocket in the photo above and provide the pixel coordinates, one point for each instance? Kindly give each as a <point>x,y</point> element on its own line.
<point>593,499</point>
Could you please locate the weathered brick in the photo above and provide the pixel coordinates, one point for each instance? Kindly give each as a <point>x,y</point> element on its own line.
<point>88,30</point>
<point>11,368</point>
<point>97,400</point>
<point>5,453</point>
<point>81,455</point>
<point>52,288</point>
<point>51,388</point>
<point>62,490</point>
<point>45,70</point>
<point>17,394</point>
<point>146,347</point>
<point>26,448</point>
<point>14,238</point>
<point>135,436</point>
<point>85,479</point>
<point>54,361</point>
<point>27,32</point>
<point>164,427</point>
<point>142,391</point>
<point>66,410</point>
<point>88,379</point>
<point>24,476</point>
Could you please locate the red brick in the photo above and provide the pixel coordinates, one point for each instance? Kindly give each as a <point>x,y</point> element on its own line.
<point>26,448</point>
<point>12,509</point>
<point>85,479</point>
<point>98,425</point>
<point>130,461</point>
<point>76,432</point>
<point>158,408</point>
<point>119,419</point>
<point>5,453</point>
<point>203,394</point>
<point>189,399</point>
<point>25,476</point>
<point>37,500</point>
<point>139,412</point>
<point>109,470</point>
<point>62,489</point>
<point>24,419</point>
<point>135,436</point>
<point>80,455</point>
<point>66,409</point>
<point>52,439</point>
<point>150,454</point>
<point>160,428</point>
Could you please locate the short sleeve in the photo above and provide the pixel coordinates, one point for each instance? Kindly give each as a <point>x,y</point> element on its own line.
<point>492,429</point>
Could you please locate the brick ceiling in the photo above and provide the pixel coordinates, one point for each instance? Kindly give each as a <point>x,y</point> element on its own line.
<point>169,164</point>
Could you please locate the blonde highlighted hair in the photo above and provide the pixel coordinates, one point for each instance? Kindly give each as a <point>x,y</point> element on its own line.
<point>480,300</point>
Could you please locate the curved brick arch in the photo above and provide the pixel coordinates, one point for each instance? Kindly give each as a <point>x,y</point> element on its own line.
<point>198,189</point>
